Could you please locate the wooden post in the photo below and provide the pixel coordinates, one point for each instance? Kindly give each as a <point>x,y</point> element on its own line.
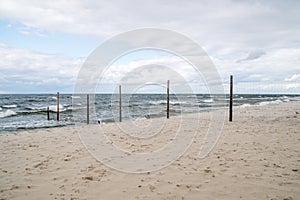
<point>168,99</point>
<point>87,108</point>
<point>57,106</point>
<point>120,103</point>
<point>48,113</point>
<point>231,98</point>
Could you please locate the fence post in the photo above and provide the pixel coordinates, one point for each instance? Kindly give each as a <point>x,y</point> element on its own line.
<point>48,113</point>
<point>87,108</point>
<point>168,99</point>
<point>120,103</point>
<point>57,106</point>
<point>231,98</point>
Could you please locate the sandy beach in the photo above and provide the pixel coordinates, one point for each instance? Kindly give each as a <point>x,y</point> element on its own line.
<point>256,157</point>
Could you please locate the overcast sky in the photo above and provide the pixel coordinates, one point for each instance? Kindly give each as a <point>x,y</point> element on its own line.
<point>43,44</point>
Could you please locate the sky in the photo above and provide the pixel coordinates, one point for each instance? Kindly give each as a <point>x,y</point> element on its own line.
<point>44,44</point>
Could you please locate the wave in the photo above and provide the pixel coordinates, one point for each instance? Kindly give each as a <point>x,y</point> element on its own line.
<point>159,102</point>
<point>296,98</point>
<point>264,103</point>
<point>7,113</point>
<point>25,125</point>
<point>154,115</point>
<point>208,100</point>
<point>54,108</point>
<point>178,102</point>
<point>9,106</point>
<point>245,105</point>
<point>164,102</point>
<point>36,108</point>
<point>34,100</point>
<point>285,98</point>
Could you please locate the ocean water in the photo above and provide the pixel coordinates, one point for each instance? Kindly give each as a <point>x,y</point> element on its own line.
<point>29,111</point>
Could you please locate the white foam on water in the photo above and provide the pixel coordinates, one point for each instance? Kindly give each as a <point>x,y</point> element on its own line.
<point>264,103</point>
<point>158,102</point>
<point>208,100</point>
<point>245,105</point>
<point>54,108</point>
<point>37,108</point>
<point>178,102</point>
<point>9,106</point>
<point>7,113</point>
<point>165,102</point>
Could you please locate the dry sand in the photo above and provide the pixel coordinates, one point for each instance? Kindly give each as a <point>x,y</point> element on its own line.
<point>257,157</point>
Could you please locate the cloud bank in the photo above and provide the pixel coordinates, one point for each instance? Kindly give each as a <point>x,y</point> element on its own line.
<point>24,71</point>
<point>256,41</point>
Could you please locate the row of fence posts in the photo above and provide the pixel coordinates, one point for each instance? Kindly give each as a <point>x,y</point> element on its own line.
<point>120,103</point>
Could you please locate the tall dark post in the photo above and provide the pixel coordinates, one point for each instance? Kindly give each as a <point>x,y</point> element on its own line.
<point>48,113</point>
<point>57,106</point>
<point>168,99</point>
<point>231,98</point>
<point>87,108</point>
<point>120,103</point>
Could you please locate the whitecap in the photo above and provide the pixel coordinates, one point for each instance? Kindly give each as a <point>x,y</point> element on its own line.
<point>178,102</point>
<point>7,113</point>
<point>158,102</point>
<point>54,108</point>
<point>245,105</point>
<point>36,108</point>
<point>264,103</point>
<point>10,106</point>
<point>208,100</point>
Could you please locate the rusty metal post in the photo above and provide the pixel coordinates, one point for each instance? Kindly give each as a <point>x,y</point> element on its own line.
<point>168,99</point>
<point>87,108</point>
<point>231,98</point>
<point>57,106</point>
<point>120,103</point>
<point>48,113</point>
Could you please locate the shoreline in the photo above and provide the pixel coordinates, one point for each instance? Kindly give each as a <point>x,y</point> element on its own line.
<point>109,121</point>
<point>256,157</point>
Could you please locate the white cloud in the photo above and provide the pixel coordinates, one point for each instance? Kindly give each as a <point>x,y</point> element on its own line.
<point>20,67</point>
<point>295,77</point>
<point>263,36</point>
<point>268,74</point>
<point>154,70</point>
<point>31,31</point>
<point>253,55</point>
<point>214,24</point>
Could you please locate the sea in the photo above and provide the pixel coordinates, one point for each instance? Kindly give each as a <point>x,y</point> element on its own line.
<point>29,111</point>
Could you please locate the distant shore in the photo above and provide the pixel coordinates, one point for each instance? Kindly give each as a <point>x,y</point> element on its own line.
<point>256,157</point>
